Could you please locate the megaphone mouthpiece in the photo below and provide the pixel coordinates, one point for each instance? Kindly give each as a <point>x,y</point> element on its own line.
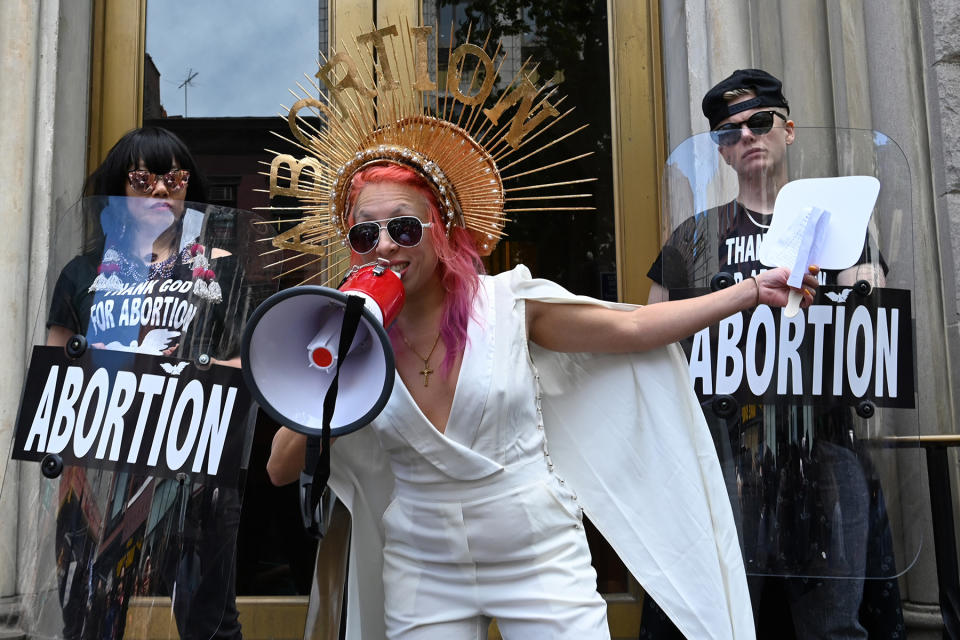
<point>322,349</point>
<point>321,358</point>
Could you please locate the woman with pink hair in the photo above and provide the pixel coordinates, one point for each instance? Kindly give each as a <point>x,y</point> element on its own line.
<point>461,511</point>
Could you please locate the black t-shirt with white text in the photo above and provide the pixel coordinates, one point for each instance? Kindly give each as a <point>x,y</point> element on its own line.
<point>154,316</point>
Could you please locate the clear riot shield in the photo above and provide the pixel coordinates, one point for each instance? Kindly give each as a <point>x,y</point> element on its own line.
<point>801,407</point>
<point>134,427</point>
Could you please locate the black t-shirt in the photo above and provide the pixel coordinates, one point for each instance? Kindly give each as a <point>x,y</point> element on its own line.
<point>687,260</point>
<point>152,314</point>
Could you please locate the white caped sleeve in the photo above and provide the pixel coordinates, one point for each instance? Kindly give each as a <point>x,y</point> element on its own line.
<point>628,434</point>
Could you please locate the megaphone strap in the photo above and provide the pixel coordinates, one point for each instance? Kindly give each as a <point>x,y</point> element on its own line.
<point>317,464</point>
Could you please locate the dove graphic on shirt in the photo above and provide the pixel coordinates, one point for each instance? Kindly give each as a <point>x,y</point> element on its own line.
<point>154,343</point>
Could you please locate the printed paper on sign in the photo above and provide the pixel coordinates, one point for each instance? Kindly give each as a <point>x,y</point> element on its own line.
<point>821,221</point>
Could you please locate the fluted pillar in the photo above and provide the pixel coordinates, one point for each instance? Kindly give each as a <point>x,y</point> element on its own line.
<point>44,72</point>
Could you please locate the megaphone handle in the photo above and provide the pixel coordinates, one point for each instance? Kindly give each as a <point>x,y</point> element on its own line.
<point>318,458</point>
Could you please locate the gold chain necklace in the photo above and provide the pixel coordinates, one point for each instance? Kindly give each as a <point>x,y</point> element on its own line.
<point>426,367</point>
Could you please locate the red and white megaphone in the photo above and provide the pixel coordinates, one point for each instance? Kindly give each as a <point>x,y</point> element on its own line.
<point>290,352</point>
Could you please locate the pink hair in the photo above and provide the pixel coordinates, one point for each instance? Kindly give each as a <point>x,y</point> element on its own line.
<point>459,263</point>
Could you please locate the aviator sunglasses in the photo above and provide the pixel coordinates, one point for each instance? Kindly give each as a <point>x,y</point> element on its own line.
<point>405,231</point>
<point>144,181</point>
<point>760,123</point>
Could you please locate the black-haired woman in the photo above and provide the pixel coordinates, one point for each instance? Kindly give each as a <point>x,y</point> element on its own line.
<point>144,283</point>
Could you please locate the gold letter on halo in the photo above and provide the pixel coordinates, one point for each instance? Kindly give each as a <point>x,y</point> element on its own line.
<point>296,167</point>
<point>423,83</point>
<point>524,93</point>
<point>294,239</point>
<point>455,70</point>
<point>351,80</point>
<point>292,116</point>
<point>389,82</point>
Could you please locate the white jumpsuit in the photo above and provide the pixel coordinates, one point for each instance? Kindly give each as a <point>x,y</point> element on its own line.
<point>481,522</point>
<point>480,525</point>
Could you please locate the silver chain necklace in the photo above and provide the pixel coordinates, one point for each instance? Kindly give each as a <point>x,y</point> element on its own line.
<point>753,220</point>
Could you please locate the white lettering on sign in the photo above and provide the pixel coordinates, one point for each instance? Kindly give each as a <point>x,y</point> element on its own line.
<point>91,415</point>
<point>865,347</point>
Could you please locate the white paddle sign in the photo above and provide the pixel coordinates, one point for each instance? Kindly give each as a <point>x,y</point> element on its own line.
<point>818,221</point>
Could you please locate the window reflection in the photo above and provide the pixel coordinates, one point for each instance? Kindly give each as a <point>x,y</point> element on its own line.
<point>228,58</point>
<point>243,57</point>
<point>568,40</point>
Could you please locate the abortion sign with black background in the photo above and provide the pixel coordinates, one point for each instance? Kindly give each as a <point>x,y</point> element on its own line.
<point>845,348</point>
<point>120,410</point>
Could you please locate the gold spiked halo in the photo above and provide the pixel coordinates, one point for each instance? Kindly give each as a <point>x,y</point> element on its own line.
<point>380,103</point>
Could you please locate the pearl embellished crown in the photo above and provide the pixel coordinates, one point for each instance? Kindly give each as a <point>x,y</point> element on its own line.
<point>381,106</point>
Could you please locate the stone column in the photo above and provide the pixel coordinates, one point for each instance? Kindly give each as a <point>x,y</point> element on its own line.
<point>44,71</point>
<point>898,103</point>
<point>939,24</point>
<point>941,34</point>
<point>19,35</point>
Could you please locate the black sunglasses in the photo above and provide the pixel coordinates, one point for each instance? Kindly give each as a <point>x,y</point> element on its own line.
<point>143,181</point>
<point>760,123</point>
<point>405,231</point>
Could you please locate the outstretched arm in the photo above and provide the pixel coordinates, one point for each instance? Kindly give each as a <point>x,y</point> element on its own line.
<point>589,328</point>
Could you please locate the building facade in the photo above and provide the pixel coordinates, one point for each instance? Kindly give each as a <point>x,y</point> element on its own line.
<point>77,74</point>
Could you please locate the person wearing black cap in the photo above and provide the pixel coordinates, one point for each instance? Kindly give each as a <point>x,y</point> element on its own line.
<point>750,124</point>
<point>759,88</point>
<point>749,121</point>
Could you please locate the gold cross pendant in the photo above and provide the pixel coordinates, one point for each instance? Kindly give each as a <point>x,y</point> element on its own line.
<point>426,375</point>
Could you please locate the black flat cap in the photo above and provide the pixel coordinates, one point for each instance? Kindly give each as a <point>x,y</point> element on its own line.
<point>767,89</point>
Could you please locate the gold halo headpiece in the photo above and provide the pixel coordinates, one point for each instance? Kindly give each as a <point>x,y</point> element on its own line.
<point>382,105</point>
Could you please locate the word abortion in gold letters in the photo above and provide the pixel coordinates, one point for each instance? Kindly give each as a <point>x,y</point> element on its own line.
<point>383,103</point>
